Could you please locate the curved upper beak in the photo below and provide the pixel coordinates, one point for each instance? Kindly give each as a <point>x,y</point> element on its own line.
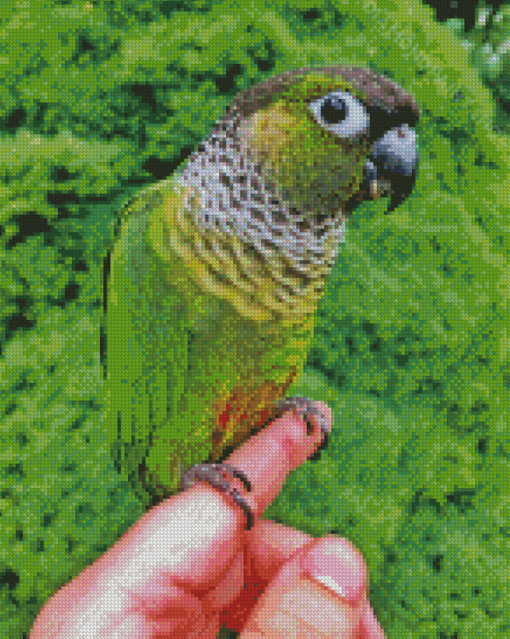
<point>392,165</point>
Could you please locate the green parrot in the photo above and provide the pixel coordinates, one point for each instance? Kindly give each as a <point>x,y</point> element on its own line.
<point>216,272</point>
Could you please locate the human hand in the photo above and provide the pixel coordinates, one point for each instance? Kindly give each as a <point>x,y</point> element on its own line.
<point>189,565</point>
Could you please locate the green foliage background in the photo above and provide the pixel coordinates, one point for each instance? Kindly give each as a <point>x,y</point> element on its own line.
<point>412,346</point>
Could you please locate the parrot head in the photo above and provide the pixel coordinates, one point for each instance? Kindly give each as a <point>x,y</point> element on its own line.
<point>271,188</point>
<point>328,139</point>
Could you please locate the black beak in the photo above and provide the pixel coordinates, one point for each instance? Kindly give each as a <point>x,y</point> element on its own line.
<point>393,165</point>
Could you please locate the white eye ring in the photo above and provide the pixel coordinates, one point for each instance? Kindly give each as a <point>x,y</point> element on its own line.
<point>356,119</point>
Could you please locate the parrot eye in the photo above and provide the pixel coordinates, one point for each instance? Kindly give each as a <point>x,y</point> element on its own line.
<point>341,113</point>
<point>334,110</point>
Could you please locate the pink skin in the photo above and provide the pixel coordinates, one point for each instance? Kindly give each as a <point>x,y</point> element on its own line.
<point>188,565</point>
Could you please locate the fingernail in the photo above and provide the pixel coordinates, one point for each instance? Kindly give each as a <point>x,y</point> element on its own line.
<point>337,568</point>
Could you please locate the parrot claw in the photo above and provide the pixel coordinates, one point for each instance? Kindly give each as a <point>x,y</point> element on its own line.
<point>307,409</point>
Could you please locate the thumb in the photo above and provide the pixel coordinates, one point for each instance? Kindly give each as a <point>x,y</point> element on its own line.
<point>320,592</point>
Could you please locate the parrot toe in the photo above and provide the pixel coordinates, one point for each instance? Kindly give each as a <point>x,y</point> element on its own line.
<point>305,408</point>
<point>222,477</point>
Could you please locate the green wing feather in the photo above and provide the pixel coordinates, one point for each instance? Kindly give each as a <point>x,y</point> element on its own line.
<point>148,333</point>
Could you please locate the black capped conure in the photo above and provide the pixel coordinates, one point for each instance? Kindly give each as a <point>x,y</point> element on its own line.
<point>217,270</point>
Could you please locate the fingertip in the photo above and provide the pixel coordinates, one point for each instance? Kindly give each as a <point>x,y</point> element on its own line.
<point>316,415</point>
<point>293,601</point>
<point>281,446</point>
<point>335,562</point>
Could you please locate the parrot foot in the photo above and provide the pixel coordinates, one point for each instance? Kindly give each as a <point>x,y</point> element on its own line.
<point>306,408</point>
<point>221,477</point>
